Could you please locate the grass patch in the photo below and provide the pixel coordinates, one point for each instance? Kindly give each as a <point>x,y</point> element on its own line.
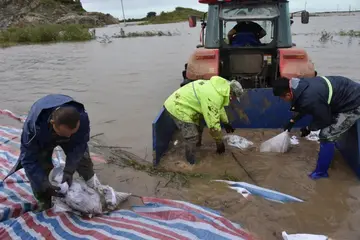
<point>161,172</point>
<point>180,14</point>
<point>228,177</point>
<point>182,179</point>
<point>351,33</point>
<point>45,34</point>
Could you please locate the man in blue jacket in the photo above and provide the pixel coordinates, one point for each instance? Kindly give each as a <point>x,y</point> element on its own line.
<point>334,104</point>
<point>54,120</point>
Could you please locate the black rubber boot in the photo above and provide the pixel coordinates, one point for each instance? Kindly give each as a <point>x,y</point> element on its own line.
<point>199,141</point>
<point>190,153</point>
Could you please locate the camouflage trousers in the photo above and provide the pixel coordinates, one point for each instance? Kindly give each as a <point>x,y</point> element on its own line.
<point>191,132</point>
<point>342,123</point>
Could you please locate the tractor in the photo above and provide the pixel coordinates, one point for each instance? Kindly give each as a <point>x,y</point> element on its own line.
<point>255,63</point>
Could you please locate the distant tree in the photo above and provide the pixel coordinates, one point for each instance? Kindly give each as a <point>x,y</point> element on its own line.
<point>151,14</point>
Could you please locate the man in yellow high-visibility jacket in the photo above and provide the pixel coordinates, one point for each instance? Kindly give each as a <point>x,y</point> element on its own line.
<point>202,100</point>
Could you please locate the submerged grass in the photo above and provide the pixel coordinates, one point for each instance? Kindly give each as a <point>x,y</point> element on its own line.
<point>122,34</point>
<point>45,34</point>
<point>351,33</point>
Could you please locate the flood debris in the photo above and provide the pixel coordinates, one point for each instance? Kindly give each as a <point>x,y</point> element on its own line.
<point>326,36</point>
<point>122,34</point>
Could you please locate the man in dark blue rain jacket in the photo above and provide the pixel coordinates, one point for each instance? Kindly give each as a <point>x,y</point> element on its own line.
<point>54,120</point>
<point>334,104</point>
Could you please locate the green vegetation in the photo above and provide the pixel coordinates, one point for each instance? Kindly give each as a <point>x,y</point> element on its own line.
<point>180,14</point>
<point>350,33</point>
<point>44,34</point>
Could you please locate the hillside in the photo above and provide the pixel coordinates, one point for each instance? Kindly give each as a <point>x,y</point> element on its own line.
<point>18,13</point>
<point>178,15</point>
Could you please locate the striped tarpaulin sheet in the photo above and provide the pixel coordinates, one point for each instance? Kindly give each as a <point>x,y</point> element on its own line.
<point>156,219</point>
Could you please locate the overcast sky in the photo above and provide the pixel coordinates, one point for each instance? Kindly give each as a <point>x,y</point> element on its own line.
<point>139,8</point>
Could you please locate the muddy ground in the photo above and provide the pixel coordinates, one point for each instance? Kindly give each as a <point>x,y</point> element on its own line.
<point>330,204</point>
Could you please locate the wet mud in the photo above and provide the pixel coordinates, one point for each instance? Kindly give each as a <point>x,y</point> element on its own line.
<point>330,205</point>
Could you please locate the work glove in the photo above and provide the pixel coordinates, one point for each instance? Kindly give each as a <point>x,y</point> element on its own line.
<point>220,147</point>
<point>67,177</point>
<point>228,128</point>
<point>305,131</point>
<point>289,125</point>
<point>51,190</point>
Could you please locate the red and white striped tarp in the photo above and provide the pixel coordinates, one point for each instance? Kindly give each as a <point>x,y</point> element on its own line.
<point>156,219</point>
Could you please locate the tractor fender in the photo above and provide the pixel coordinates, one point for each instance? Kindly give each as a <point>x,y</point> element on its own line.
<point>203,64</point>
<point>295,62</point>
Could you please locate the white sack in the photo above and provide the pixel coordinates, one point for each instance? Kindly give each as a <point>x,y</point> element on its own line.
<point>313,136</point>
<point>237,141</point>
<point>280,143</point>
<point>85,198</point>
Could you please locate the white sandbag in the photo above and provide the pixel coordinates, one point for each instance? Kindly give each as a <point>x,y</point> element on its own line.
<point>237,141</point>
<point>313,136</point>
<point>294,140</point>
<point>85,198</point>
<point>280,143</point>
<point>303,236</point>
<point>79,197</point>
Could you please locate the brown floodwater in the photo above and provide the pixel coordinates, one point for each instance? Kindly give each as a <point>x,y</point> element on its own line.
<point>123,86</point>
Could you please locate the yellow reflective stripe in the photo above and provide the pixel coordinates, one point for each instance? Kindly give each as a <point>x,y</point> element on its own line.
<point>330,89</point>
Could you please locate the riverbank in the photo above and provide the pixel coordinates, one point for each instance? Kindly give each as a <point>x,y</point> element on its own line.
<point>45,12</point>
<point>286,173</point>
<point>45,34</point>
<point>180,14</point>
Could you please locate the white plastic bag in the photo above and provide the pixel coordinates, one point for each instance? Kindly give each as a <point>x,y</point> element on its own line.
<point>303,236</point>
<point>79,197</point>
<point>294,140</point>
<point>237,141</point>
<point>85,198</point>
<point>280,143</point>
<point>313,136</point>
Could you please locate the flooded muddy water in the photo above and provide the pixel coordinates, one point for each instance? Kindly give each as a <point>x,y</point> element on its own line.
<point>123,86</point>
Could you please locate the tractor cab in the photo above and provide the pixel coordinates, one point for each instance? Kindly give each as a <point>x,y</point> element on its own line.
<point>249,41</point>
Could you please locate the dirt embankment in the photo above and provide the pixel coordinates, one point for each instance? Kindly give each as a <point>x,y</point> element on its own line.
<point>34,12</point>
<point>329,203</point>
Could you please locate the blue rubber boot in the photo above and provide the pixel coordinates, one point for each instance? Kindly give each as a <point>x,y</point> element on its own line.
<point>326,154</point>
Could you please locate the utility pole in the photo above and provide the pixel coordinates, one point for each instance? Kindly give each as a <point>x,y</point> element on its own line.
<point>122,6</point>
<point>305,5</point>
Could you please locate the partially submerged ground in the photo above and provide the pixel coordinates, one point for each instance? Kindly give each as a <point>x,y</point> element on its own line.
<point>44,21</point>
<point>330,205</point>
<point>42,12</point>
